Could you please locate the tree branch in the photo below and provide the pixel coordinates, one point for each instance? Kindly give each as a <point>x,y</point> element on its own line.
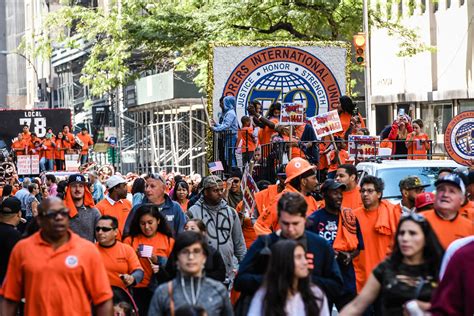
<point>285,26</point>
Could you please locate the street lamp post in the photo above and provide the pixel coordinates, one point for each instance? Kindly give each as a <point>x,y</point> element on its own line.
<point>4,52</point>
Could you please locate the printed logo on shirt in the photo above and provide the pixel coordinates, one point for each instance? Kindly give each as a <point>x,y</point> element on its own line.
<point>169,218</point>
<point>328,231</point>
<point>71,261</point>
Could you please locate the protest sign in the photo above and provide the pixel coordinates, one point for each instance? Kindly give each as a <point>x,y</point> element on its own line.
<point>326,124</point>
<point>363,146</point>
<point>249,188</point>
<point>292,114</point>
<point>27,164</point>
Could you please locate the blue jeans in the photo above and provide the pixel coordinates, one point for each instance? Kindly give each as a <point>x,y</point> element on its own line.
<point>84,159</point>
<point>46,164</point>
<point>229,147</point>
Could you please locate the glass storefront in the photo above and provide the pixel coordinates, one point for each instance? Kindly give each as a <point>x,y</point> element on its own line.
<point>436,118</point>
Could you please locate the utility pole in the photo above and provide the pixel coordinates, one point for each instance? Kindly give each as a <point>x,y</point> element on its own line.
<point>367,78</point>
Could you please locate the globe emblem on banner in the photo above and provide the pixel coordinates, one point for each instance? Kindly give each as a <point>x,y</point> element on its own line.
<point>464,139</point>
<point>285,82</point>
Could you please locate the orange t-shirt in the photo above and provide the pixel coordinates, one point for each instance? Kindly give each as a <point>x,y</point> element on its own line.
<point>26,137</point>
<point>248,142</point>
<point>48,149</point>
<point>323,160</point>
<point>343,156</point>
<point>265,133</point>
<point>467,211</point>
<point>346,122</point>
<point>61,147</point>
<point>247,228</point>
<point>119,259</point>
<point>119,209</point>
<point>162,246</point>
<point>352,199</point>
<point>184,205</point>
<point>267,222</point>
<point>416,147</point>
<point>377,246</point>
<point>19,147</point>
<point>449,230</point>
<point>56,282</point>
<point>263,198</point>
<point>87,141</point>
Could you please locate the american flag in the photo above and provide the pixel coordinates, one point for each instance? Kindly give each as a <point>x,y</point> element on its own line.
<point>145,251</point>
<point>215,166</point>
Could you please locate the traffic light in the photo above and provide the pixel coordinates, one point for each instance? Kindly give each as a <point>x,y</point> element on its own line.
<point>359,47</point>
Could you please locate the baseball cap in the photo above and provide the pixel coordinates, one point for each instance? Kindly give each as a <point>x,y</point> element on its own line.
<point>11,205</point>
<point>331,184</point>
<point>114,181</point>
<point>424,199</point>
<point>454,179</point>
<point>210,181</point>
<point>76,178</point>
<point>411,182</point>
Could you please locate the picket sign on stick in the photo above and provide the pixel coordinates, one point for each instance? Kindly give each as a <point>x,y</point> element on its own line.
<point>292,114</point>
<point>327,124</point>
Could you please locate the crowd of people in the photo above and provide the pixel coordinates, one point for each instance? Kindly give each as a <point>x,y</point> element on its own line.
<point>52,148</point>
<point>173,244</point>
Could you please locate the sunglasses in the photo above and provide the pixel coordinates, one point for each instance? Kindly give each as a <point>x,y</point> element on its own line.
<point>414,216</point>
<point>104,229</point>
<point>156,176</point>
<point>52,215</point>
<point>235,181</point>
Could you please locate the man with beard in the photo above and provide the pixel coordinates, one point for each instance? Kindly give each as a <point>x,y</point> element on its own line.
<point>233,194</point>
<point>347,174</point>
<point>78,200</point>
<point>340,228</point>
<point>410,187</point>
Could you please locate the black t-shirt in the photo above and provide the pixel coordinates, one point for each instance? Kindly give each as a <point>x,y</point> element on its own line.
<point>9,236</point>
<point>405,283</point>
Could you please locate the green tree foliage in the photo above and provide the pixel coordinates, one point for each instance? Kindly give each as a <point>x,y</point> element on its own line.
<point>136,35</point>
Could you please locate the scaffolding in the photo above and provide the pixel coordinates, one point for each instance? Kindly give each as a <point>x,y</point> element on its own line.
<point>168,135</point>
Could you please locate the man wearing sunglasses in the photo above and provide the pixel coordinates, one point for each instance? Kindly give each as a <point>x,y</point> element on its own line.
<point>56,271</point>
<point>120,260</point>
<point>233,194</point>
<point>155,192</point>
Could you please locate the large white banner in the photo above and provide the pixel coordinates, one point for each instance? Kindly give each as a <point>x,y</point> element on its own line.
<point>27,164</point>
<point>312,75</point>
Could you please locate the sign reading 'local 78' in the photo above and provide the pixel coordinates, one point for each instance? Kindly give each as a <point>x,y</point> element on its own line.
<point>314,76</point>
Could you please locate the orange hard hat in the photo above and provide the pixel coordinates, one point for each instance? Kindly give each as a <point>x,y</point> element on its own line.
<point>297,166</point>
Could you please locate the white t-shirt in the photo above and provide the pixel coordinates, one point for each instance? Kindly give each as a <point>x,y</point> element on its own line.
<point>452,248</point>
<point>294,305</point>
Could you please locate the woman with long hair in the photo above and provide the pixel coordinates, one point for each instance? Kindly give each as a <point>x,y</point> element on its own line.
<point>191,286</point>
<point>401,127</point>
<point>406,280</point>
<point>138,191</point>
<point>417,141</point>
<point>151,238</point>
<point>62,145</point>
<point>287,288</point>
<point>181,194</point>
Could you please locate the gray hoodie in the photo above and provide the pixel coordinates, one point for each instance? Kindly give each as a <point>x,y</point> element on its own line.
<point>209,294</point>
<point>227,237</point>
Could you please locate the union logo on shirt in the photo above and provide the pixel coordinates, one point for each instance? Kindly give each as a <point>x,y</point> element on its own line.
<point>71,261</point>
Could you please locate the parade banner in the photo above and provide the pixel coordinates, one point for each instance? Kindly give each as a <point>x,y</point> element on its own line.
<point>363,146</point>
<point>459,138</point>
<point>27,164</point>
<point>249,188</point>
<point>292,114</point>
<point>12,122</point>
<point>72,162</point>
<point>326,124</point>
<point>311,73</point>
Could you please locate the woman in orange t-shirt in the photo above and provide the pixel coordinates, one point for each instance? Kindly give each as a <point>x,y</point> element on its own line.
<point>48,148</point>
<point>62,145</point>
<point>417,142</point>
<point>151,237</point>
<point>181,194</point>
<point>265,133</point>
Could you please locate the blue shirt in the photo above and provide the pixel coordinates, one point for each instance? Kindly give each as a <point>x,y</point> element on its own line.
<point>325,225</point>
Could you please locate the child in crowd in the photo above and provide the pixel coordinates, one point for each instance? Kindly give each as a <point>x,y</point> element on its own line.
<point>246,139</point>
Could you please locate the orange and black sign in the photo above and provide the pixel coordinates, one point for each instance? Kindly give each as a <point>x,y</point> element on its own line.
<point>459,138</point>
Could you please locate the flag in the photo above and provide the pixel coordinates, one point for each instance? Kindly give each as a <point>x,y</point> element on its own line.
<point>145,251</point>
<point>215,166</point>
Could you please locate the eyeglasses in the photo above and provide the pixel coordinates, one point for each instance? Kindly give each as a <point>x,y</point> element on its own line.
<point>156,176</point>
<point>235,181</point>
<point>104,229</point>
<point>52,215</point>
<point>414,216</point>
<point>195,252</point>
<point>370,191</point>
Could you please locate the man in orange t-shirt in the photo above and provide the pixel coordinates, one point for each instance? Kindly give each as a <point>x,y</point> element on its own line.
<point>55,270</point>
<point>115,203</point>
<point>19,145</point>
<point>87,142</point>
<point>351,198</point>
<point>378,222</point>
<point>301,178</point>
<point>445,219</point>
<point>120,260</point>
<point>26,133</point>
